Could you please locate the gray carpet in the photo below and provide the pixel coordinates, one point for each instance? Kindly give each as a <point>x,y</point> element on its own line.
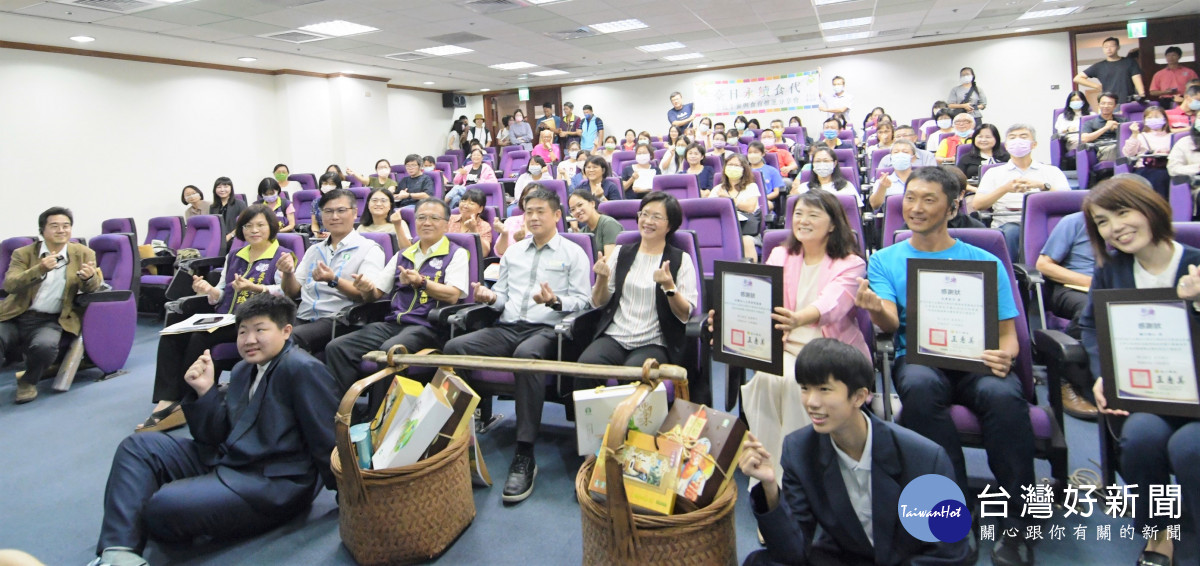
<point>57,451</point>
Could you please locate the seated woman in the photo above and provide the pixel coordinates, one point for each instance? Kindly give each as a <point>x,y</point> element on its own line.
<point>821,269</point>
<point>248,272</point>
<point>194,200</point>
<point>280,206</point>
<point>335,168</point>
<point>281,177</point>
<point>885,134</point>
<point>328,182</point>
<point>638,178</point>
<point>582,204</point>
<point>1068,124</point>
<point>904,154</point>
<point>468,219</point>
<point>630,141</point>
<point>673,161</point>
<point>1125,215</point>
<point>673,135</point>
<point>610,147</point>
<point>962,129</point>
<point>1154,139</point>
<point>382,179</point>
<point>827,176</point>
<point>1184,158</point>
<point>987,150</point>
<point>537,171</point>
<point>546,148</point>
<point>596,175</point>
<point>704,132</point>
<point>694,165</point>
<point>871,120</point>
<point>753,124</point>
<point>225,205</point>
<point>944,119</point>
<point>381,216</point>
<point>475,171</point>
<point>719,145</point>
<point>569,166</point>
<point>737,184</point>
<point>646,291</point>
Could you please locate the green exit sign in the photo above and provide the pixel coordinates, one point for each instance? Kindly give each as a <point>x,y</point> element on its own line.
<point>523,94</point>
<point>1137,30</point>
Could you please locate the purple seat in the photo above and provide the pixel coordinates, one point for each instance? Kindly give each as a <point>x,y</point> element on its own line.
<point>846,134</point>
<point>983,169</point>
<point>1086,163</point>
<point>1057,147</point>
<point>771,159</point>
<point>110,318</point>
<point>620,159</point>
<point>203,234</point>
<point>679,186</point>
<point>845,158</point>
<point>712,161</point>
<point>658,155</point>
<point>119,226</point>
<point>1041,213</point>
<point>437,181</point>
<point>623,211</point>
<point>1133,111</point>
<point>1181,198</point>
<point>877,156</point>
<point>306,180</point>
<point>168,229</point>
<point>893,219</point>
<point>928,130</point>
<point>716,226</point>
<point>1187,233</point>
<point>509,148</point>
<point>460,157</point>
<point>449,160</point>
<point>658,145</point>
<point>7,247</point>
<point>302,201</point>
<point>849,206</point>
<point>961,150</point>
<point>297,243</point>
<point>512,164</point>
<point>494,193</point>
<point>354,182</point>
<point>360,198</point>
<point>1049,443</point>
<point>386,241</point>
<point>444,169</point>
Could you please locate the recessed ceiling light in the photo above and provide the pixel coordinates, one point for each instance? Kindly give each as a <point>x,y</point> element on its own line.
<point>484,89</point>
<point>512,66</point>
<point>851,23</point>
<point>1048,13</point>
<point>683,57</point>
<point>848,36</point>
<point>428,82</point>
<point>619,26</point>
<point>338,28</point>
<point>83,39</point>
<point>578,80</point>
<point>1023,30</point>
<point>847,49</point>
<point>247,59</point>
<point>660,47</point>
<point>549,73</point>
<point>444,50</point>
<point>828,2</point>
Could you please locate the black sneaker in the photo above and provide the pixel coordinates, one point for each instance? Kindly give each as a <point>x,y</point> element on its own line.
<point>1012,551</point>
<point>520,479</point>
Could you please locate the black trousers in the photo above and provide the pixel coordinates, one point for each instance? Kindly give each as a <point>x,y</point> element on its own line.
<point>1069,304</point>
<point>607,351</point>
<point>177,352</point>
<point>159,487</point>
<point>313,335</point>
<point>345,353</point>
<point>37,336</point>
<point>520,340</point>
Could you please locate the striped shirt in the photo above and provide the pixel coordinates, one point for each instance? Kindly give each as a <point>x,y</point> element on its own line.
<point>635,324</point>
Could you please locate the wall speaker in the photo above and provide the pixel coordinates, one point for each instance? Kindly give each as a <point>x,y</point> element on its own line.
<point>453,100</point>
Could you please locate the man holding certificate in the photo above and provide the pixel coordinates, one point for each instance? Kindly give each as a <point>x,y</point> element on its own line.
<point>928,392</point>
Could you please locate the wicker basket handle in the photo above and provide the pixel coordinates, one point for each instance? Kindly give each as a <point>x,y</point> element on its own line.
<point>624,532</point>
<point>341,430</point>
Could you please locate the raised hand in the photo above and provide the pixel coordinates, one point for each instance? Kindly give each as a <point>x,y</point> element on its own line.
<point>469,224</point>
<point>286,264</point>
<point>601,268</point>
<point>865,298</point>
<point>884,184</point>
<point>199,285</point>
<point>48,263</point>
<point>321,272</point>
<point>87,271</point>
<point>483,294</point>
<point>662,276</point>
<point>545,295</point>
<point>395,217</point>
<point>1189,285</point>
<point>756,461</point>
<point>364,286</point>
<point>200,375</point>
<point>1135,127</point>
<point>497,226</point>
<point>519,235</point>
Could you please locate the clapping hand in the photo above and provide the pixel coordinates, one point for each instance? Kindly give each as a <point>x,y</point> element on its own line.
<point>322,272</point>
<point>200,375</point>
<point>483,294</point>
<point>865,298</point>
<point>662,276</point>
<point>601,268</point>
<point>286,264</point>
<point>410,276</point>
<point>545,295</point>
<point>1189,285</point>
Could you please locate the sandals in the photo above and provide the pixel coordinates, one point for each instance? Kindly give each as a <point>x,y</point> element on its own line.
<point>1151,558</point>
<point>169,418</point>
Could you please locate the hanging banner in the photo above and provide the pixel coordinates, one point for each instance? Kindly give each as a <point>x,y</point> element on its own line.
<point>781,93</point>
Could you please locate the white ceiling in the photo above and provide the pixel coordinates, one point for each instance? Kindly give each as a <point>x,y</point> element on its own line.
<point>725,32</point>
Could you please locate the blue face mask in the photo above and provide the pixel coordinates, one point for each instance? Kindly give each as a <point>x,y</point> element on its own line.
<point>901,161</point>
<point>829,134</point>
<point>1076,105</point>
<point>1194,105</point>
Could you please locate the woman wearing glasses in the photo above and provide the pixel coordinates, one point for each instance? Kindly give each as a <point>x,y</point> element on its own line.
<point>381,216</point>
<point>646,291</point>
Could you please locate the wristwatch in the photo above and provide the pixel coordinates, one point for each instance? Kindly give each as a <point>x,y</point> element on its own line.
<point>670,292</point>
<point>1046,186</point>
<point>556,305</point>
<point>333,283</point>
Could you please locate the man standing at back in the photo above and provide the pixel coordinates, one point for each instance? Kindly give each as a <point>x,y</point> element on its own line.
<point>680,114</point>
<point>572,127</point>
<point>1116,74</point>
<point>549,121</point>
<point>591,129</point>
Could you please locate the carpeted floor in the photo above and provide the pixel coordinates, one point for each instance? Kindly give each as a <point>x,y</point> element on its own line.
<point>57,451</point>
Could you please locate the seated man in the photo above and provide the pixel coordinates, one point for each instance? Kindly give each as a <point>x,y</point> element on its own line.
<point>924,158</point>
<point>260,451</point>
<point>926,392</point>
<point>429,166</point>
<point>42,281</point>
<point>1067,259</point>
<point>324,280</point>
<point>771,176</point>
<point>858,522</point>
<point>777,128</point>
<point>417,186</point>
<point>1002,188</point>
<point>1102,131</point>
<point>962,219</point>
<point>1182,117</point>
<point>787,165</point>
<point>533,274</point>
<point>429,274</point>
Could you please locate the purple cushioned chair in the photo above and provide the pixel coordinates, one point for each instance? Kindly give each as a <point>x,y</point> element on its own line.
<point>877,156</point>
<point>512,165</point>
<point>360,198</point>
<point>168,229</point>
<point>961,150</point>
<point>7,247</point>
<point>712,161</point>
<point>893,219</point>
<point>204,234</point>
<point>387,242</point>
<point>716,226</point>
<point>302,201</point>
<point>679,186</point>
<point>1041,213</point>
<point>1187,233</point>
<point>119,226</point>
<point>494,193</point>
<point>450,161</point>
<point>846,135</point>
<point>110,318</point>
<point>623,211</point>
<point>620,159</point>
<point>1049,442</point>
<point>459,156</point>
<point>983,169</point>
<point>1181,198</point>
<point>306,180</point>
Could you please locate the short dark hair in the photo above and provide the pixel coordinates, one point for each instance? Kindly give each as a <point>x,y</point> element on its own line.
<point>547,105</point>
<point>476,196</point>
<point>669,202</point>
<point>278,165</point>
<point>441,204</point>
<point>1108,94</point>
<point>587,106</point>
<point>337,194</point>
<point>429,159</point>
<point>268,184</point>
<point>412,158</point>
<point>385,162</point>
<point>948,183</point>
<point>54,211</point>
<point>958,175</point>
<point>1173,49</point>
<point>1119,193</point>
<point>756,145</point>
<point>674,94</point>
<point>824,359</point>
<point>600,161</point>
<point>183,194</point>
<point>254,210</point>
<point>837,77</point>
<point>535,191</point>
<point>568,104</point>
<point>943,112</point>
<point>332,178</point>
<point>280,310</point>
<point>1112,39</point>
<point>585,194</point>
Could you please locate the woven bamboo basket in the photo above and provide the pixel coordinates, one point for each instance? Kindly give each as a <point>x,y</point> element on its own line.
<point>614,535</point>
<point>399,515</point>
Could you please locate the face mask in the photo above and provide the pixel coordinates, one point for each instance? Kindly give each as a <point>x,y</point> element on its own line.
<point>574,153</point>
<point>1018,147</point>
<point>740,125</point>
<point>768,142</point>
<point>754,158</point>
<point>829,134</point>
<point>837,89</point>
<point>679,150</point>
<point>193,197</point>
<point>963,133</point>
<point>281,177</point>
<point>587,115</point>
<point>733,172</point>
<point>535,170</point>
<point>327,188</point>
<point>967,78</point>
<point>1076,105</point>
<point>610,146</point>
<point>718,144</point>
<point>383,173</point>
<point>271,199</point>
<point>778,132</point>
<point>702,128</point>
<point>518,119</point>
<point>1155,123</point>
<point>901,161</point>
<point>823,169</point>
<point>944,123</point>
<point>428,169</point>
<point>1194,105</point>
<point>794,124</point>
<point>643,141</point>
<point>643,158</point>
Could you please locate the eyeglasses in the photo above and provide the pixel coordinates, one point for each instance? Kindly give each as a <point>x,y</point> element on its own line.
<point>651,217</point>
<point>57,226</point>
<point>426,218</point>
<point>379,201</point>
<point>336,211</point>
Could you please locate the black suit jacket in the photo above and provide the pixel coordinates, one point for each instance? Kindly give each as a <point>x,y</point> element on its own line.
<point>272,449</point>
<point>814,494</point>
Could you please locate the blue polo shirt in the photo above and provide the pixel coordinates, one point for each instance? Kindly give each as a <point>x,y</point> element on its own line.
<point>1069,245</point>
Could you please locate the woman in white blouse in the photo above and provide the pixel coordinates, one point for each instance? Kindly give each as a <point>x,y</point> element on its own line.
<point>1069,122</point>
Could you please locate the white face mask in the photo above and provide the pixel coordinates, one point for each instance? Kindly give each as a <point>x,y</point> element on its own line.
<point>944,123</point>
<point>643,158</point>
<point>754,158</point>
<point>823,169</point>
<point>383,172</point>
<point>838,89</point>
<point>966,78</point>
<point>703,128</point>
<point>535,170</point>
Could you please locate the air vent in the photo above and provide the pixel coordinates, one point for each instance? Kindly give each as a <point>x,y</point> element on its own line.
<point>573,34</point>
<point>117,6</point>
<point>815,36</point>
<point>406,56</point>
<point>457,38</point>
<point>889,32</point>
<point>295,36</point>
<point>490,6</point>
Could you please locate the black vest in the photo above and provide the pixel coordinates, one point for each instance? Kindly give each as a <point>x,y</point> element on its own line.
<point>674,332</point>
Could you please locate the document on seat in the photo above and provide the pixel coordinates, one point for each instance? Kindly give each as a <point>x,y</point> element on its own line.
<point>200,322</point>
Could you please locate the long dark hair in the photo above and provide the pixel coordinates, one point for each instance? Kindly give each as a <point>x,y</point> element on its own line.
<point>1068,112</point>
<point>841,242</point>
<point>368,218</point>
<point>839,180</point>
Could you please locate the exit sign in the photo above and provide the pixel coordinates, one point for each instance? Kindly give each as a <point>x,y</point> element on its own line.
<point>1137,30</point>
<point>523,92</point>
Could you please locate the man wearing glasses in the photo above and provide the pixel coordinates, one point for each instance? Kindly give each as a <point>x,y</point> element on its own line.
<point>41,283</point>
<point>431,273</point>
<point>324,280</point>
<point>923,158</point>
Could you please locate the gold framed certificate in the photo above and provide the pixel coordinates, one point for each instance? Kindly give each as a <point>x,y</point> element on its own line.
<point>952,313</point>
<point>1148,353</point>
<point>744,334</point>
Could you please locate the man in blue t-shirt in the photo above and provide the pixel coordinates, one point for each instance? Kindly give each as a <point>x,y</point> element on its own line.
<point>1067,259</point>
<point>926,392</point>
<point>680,114</point>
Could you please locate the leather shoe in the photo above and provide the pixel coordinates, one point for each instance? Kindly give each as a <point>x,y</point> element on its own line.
<point>25,392</point>
<point>1076,405</point>
<point>520,479</point>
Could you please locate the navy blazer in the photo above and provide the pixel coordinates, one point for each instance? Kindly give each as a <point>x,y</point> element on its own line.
<point>814,494</point>
<point>272,450</point>
<point>1117,273</point>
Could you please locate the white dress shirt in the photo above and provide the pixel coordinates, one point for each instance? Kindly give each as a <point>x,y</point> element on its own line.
<point>857,477</point>
<point>524,267</point>
<point>49,296</point>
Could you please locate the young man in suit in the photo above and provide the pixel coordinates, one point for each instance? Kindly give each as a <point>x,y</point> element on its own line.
<point>42,281</point>
<point>844,472</point>
<point>260,451</point>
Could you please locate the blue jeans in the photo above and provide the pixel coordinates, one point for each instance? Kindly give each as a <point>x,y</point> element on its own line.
<point>455,195</point>
<point>1154,447</point>
<point>1012,239</point>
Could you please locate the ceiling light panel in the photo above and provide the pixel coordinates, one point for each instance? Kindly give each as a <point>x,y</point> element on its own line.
<point>655,48</point>
<point>828,2</point>
<point>549,73</point>
<point>512,66</point>
<point>445,50</point>
<point>848,36</point>
<point>851,23</point>
<point>619,26</point>
<point>683,57</point>
<point>339,28</point>
<point>1049,13</point>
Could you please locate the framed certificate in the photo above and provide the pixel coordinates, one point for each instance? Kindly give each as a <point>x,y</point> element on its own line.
<point>744,334</point>
<point>1148,357</point>
<point>952,313</point>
